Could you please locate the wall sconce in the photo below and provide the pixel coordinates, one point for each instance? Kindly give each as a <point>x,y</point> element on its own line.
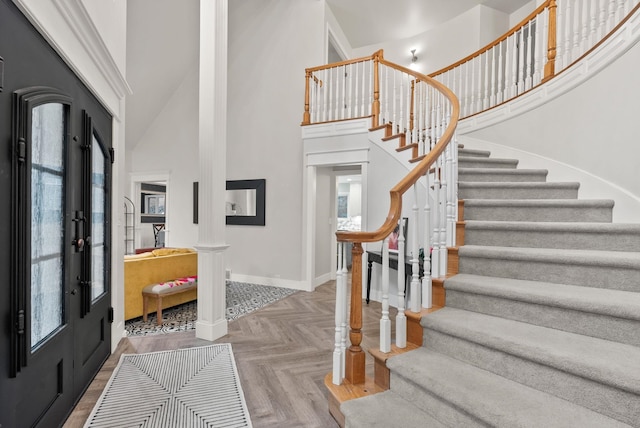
<point>414,58</point>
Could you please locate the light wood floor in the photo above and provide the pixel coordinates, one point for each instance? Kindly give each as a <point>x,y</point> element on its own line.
<point>282,351</point>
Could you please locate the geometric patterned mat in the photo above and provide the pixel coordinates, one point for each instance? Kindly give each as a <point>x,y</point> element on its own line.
<point>241,298</point>
<point>191,387</point>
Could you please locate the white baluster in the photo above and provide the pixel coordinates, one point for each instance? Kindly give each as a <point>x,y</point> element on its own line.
<point>593,23</point>
<point>470,90</point>
<point>508,67</point>
<point>426,278</point>
<point>415,257</point>
<point>349,90</point>
<point>467,93</point>
<point>385,322</point>
<point>602,18</point>
<point>338,356</point>
<point>443,212</point>
<point>359,105</point>
<point>343,95</point>
<point>521,58</point>
<point>575,50</point>
<point>345,316</point>
<point>435,262</point>
<point>584,43</point>
<point>540,55</point>
<point>487,73</point>
<point>370,103</point>
<point>500,89</point>
<point>514,66</point>
<point>529,54</point>
<point>611,21</point>
<point>567,35</point>
<point>401,318</point>
<point>559,40</point>
<point>621,10</point>
<point>494,78</point>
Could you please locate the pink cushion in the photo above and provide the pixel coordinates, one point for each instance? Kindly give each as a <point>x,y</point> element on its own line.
<point>165,287</point>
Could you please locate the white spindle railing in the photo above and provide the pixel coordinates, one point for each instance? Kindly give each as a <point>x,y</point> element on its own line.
<point>515,63</point>
<point>552,38</point>
<point>341,300</point>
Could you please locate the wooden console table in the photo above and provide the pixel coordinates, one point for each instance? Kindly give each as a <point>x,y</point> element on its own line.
<point>376,257</point>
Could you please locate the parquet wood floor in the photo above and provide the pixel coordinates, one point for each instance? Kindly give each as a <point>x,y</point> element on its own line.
<point>282,351</point>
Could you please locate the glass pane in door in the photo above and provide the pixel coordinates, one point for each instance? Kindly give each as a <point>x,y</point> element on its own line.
<point>48,129</point>
<point>98,217</point>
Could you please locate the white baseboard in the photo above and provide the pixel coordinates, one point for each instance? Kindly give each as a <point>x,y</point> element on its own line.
<point>276,282</point>
<point>322,279</point>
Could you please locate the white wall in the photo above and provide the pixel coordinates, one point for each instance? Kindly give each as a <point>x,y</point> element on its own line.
<point>591,130</point>
<point>335,32</point>
<point>325,227</point>
<point>170,146</point>
<point>447,43</point>
<point>270,44</point>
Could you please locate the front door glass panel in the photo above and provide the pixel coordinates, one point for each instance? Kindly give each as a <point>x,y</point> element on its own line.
<point>98,217</point>
<point>48,130</point>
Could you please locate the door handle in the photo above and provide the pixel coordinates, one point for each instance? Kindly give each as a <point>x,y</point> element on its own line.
<point>74,292</point>
<point>79,241</point>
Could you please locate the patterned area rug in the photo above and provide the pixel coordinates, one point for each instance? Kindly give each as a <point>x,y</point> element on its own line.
<point>193,387</point>
<point>242,298</point>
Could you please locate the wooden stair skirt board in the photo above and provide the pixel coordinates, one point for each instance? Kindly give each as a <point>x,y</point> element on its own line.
<point>338,394</point>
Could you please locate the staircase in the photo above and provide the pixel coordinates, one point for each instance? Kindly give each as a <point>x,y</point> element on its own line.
<point>542,323</point>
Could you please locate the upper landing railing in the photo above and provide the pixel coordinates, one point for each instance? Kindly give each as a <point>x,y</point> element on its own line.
<point>553,37</point>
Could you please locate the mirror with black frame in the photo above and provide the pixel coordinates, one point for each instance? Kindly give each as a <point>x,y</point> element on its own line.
<point>245,202</point>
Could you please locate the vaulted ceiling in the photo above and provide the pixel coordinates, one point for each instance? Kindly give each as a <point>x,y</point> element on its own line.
<point>367,22</point>
<point>162,41</point>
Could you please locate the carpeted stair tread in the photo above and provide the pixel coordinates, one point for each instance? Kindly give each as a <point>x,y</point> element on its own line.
<point>565,210</point>
<point>481,397</point>
<point>604,269</point>
<point>481,162</point>
<point>518,190</point>
<point>501,174</point>
<point>473,153</point>
<point>622,304</point>
<point>607,314</point>
<point>584,235</point>
<point>606,362</point>
<point>385,409</point>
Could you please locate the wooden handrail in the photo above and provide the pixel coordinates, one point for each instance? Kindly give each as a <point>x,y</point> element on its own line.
<point>355,356</point>
<point>341,63</point>
<point>496,42</point>
<point>421,168</point>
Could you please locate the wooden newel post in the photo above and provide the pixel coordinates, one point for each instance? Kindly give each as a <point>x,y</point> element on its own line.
<point>306,117</point>
<point>375,107</point>
<point>355,358</point>
<point>550,66</point>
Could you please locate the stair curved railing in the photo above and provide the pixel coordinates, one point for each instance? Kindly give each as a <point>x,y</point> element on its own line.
<point>421,114</point>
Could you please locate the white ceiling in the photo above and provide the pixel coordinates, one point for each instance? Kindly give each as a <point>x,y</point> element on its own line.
<point>367,22</point>
<point>162,41</point>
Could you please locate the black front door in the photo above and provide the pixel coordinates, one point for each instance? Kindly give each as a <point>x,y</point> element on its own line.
<point>55,171</point>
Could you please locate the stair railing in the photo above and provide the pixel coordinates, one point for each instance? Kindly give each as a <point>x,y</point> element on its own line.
<point>421,112</point>
<point>422,115</point>
<point>552,38</point>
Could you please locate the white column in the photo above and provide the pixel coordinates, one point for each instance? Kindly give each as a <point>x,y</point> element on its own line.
<point>212,143</point>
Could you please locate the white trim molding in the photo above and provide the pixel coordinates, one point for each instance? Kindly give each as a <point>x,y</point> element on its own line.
<point>68,28</point>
